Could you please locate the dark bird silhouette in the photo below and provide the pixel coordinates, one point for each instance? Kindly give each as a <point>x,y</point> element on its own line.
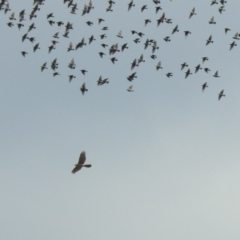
<point>83,89</point>
<point>80,164</point>
<point>221,94</point>
<point>204,86</point>
<point>24,53</point>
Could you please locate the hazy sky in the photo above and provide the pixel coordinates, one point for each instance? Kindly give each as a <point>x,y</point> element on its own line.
<point>165,158</point>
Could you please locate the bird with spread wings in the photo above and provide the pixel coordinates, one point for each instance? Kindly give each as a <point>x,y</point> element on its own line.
<point>81,161</point>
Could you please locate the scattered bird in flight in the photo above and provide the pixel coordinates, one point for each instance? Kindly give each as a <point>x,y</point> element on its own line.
<point>81,163</point>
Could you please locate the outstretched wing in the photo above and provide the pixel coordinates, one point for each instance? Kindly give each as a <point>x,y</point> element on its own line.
<point>82,158</point>
<point>77,168</point>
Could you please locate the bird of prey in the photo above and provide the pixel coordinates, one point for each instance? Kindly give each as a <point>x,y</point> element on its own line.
<point>81,161</point>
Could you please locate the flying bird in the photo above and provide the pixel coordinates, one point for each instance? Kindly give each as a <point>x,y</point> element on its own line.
<point>81,161</point>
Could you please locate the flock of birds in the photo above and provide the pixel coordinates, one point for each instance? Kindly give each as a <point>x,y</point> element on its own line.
<point>18,20</point>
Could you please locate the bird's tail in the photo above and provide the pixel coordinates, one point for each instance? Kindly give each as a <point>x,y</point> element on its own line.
<point>87,165</point>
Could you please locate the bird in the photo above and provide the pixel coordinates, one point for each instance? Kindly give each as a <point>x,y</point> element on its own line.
<point>220,95</point>
<point>204,86</point>
<point>101,54</point>
<point>80,164</point>
<point>232,45</point>
<point>169,74</point>
<point>130,5</point>
<point>212,21</point>
<point>143,8</point>
<point>186,33</point>
<point>130,89</point>
<point>198,67</point>
<point>159,65</point>
<point>187,73</point>
<point>226,30</point>
<point>192,13</point>
<point>36,47</point>
<point>183,65</point>
<point>209,40</point>
<point>204,59</point>
<point>120,34</point>
<point>83,89</point>
<point>44,66</point>
<point>175,29</point>
<point>24,53</point>
<point>216,74</point>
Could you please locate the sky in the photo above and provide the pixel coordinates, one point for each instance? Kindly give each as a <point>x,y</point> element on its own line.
<point>165,158</point>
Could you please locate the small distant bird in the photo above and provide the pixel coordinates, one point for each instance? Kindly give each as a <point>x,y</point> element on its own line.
<point>175,29</point>
<point>130,5</point>
<point>91,39</point>
<point>159,65</point>
<point>216,74</point>
<point>143,8</point>
<point>198,67</point>
<point>137,40</point>
<point>232,45</point>
<point>124,46</point>
<point>220,95</point>
<point>212,21</point>
<point>36,47</point>
<point>71,77</point>
<point>204,59</point>
<point>183,65</point>
<point>113,59</point>
<point>226,30</point>
<point>83,89</point>
<point>44,66</point>
<point>24,53</point>
<point>55,74</point>
<point>56,35</point>
<point>204,86</point>
<point>130,89</point>
<point>89,23</point>
<point>192,12</point>
<point>120,34</point>
<point>207,70</point>
<point>209,40</point>
<point>221,9</point>
<point>167,39</point>
<point>147,21</point>
<point>169,74</point>
<point>186,33</point>
<point>50,15</point>
<point>214,2</point>
<point>80,164</point>
<point>236,36</point>
<point>141,59</point>
<point>100,20</point>
<point>187,73</point>
<point>83,71</point>
<point>101,54</point>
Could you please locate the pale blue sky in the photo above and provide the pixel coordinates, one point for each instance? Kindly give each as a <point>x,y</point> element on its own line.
<point>165,158</point>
